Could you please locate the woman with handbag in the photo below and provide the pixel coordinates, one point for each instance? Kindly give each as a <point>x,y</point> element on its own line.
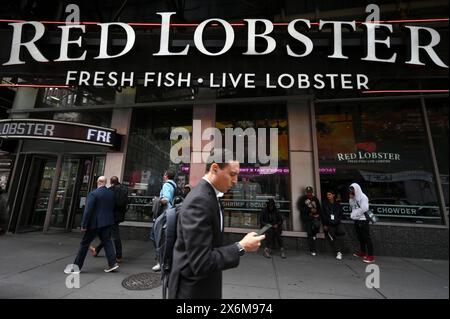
<point>359,204</point>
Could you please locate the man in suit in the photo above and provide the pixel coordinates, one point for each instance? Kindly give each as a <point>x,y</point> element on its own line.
<point>199,255</point>
<point>98,217</point>
<point>120,209</point>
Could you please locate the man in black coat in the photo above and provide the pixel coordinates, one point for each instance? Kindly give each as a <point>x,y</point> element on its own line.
<point>199,255</point>
<point>270,215</point>
<point>98,217</point>
<point>332,214</point>
<point>309,207</point>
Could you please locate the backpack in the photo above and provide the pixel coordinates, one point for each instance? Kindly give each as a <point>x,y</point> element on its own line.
<point>165,235</point>
<point>120,202</point>
<point>157,207</point>
<point>121,198</point>
<point>177,191</point>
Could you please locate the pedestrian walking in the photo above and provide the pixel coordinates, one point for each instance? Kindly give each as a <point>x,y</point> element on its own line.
<point>199,255</point>
<point>120,208</point>
<point>98,217</point>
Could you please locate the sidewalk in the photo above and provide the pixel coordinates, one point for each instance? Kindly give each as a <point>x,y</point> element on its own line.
<point>31,266</point>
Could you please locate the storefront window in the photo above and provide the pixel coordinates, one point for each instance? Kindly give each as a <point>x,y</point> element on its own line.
<point>148,157</point>
<point>90,118</point>
<point>438,117</point>
<point>6,163</point>
<point>383,147</point>
<point>72,97</point>
<point>257,183</point>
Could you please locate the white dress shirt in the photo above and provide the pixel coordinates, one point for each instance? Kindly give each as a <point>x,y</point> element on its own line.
<point>218,194</point>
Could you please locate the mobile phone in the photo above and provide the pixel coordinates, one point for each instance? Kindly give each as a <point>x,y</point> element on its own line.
<point>264,229</point>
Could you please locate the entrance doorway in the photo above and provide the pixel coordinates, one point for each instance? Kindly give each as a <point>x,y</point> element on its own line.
<point>77,177</point>
<point>37,193</point>
<point>89,171</point>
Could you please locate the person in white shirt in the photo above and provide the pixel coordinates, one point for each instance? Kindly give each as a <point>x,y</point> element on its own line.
<point>359,204</point>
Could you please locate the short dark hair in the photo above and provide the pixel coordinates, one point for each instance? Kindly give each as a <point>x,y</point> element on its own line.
<point>226,156</point>
<point>331,192</point>
<point>170,174</point>
<point>114,180</point>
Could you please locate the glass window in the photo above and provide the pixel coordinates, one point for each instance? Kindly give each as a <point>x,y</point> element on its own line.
<point>438,117</point>
<point>383,147</point>
<point>78,96</point>
<point>6,164</point>
<point>257,183</point>
<point>148,157</point>
<point>98,118</point>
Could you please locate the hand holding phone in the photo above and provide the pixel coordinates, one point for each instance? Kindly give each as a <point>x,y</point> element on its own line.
<point>264,229</point>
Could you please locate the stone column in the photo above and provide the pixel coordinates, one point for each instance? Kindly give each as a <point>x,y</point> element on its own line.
<point>121,121</point>
<point>206,114</point>
<point>25,99</point>
<point>302,154</point>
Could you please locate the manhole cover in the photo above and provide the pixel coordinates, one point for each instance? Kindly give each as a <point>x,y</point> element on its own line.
<point>143,281</point>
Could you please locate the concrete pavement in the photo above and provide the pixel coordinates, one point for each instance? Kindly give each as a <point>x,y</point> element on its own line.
<point>32,264</point>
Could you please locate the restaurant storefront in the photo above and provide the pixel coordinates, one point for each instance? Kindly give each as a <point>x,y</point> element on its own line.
<point>363,105</point>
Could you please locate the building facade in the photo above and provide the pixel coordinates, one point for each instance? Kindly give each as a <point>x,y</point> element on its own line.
<point>366,105</point>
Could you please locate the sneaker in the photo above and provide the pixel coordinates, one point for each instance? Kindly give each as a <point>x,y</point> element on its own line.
<point>112,268</point>
<point>93,251</point>
<point>313,253</point>
<point>283,253</point>
<point>157,267</point>
<point>267,253</point>
<point>70,269</point>
<point>339,256</point>
<point>369,259</point>
<point>360,254</point>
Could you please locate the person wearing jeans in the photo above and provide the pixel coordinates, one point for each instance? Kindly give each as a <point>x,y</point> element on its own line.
<point>359,204</point>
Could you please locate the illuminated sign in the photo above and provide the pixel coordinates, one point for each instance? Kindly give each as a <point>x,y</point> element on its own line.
<point>327,170</point>
<point>368,157</point>
<point>253,170</point>
<point>385,210</point>
<point>252,205</point>
<point>257,29</point>
<point>298,39</point>
<point>58,131</point>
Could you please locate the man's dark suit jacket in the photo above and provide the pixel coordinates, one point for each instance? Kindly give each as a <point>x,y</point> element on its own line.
<point>199,256</point>
<point>99,211</point>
